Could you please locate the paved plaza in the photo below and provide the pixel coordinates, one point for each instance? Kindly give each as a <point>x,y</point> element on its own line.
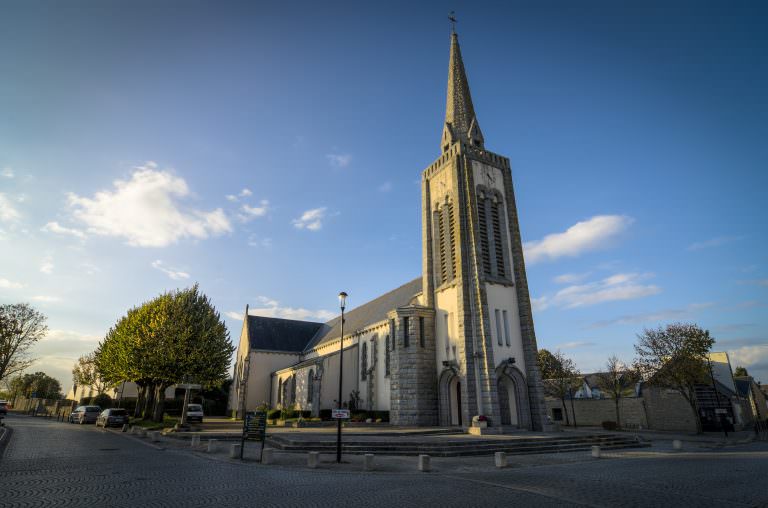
<point>46,463</point>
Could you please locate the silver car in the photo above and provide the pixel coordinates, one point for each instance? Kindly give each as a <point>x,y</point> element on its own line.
<point>84,414</point>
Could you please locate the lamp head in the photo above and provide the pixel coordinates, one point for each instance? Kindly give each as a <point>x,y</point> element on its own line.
<point>342,300</point>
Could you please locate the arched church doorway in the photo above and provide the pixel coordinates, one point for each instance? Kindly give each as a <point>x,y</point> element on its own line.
<point>455,391</point>
<point>513,396</point>
<point>508,402</point>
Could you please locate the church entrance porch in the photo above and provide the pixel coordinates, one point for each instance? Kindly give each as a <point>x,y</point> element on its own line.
<point>513,397</point>
<point>450,399</point>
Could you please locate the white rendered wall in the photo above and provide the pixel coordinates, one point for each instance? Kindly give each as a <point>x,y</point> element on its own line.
<point>505,298</point>
<point>446,304</point>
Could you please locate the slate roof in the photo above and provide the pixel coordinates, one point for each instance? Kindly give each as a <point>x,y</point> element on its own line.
<point>372,312</point>
<point>277,334</point>
<point>743,385</point>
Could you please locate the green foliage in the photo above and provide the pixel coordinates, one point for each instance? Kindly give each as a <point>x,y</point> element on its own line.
<point>560,376</point>
<point>86,372</point>
<point>39,383</point>
<point>617,381</point>
<point>273,414</point>
<point>740,372</point>
<point>21,326</point>
<point>102,400</point>
<point>675,357</point>
<point>549,365</point>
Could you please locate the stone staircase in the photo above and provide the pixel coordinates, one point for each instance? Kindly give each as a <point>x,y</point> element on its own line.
<point>459,447</point>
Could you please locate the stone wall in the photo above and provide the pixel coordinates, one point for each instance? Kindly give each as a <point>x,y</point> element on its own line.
<point>668,410</point>
<point>593,412</point>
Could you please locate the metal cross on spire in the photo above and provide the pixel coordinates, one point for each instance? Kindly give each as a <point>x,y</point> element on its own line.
<point>452,19</point>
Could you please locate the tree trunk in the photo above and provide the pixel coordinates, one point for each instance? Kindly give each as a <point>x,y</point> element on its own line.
<point>618,418</point>
<point>149,402</point>
<point>142,395</point>
<point>157,414</point>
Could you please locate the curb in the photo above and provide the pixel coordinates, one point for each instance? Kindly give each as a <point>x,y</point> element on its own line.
<point>5,438</point>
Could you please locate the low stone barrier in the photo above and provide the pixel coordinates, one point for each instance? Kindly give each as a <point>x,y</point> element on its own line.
<point>500,459</point>
<point>213,445</point>
<point>234,451</point>
<point>424,463</point>
<point>368,462</point>
<point>313,458</point>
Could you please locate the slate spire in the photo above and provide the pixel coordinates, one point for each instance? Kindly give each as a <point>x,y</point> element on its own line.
<point>460,121</point>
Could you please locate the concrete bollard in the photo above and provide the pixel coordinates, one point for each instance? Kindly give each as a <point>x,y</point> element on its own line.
<point>234,451</point>
<point>143,432</point>
<point>596,452</point>
<point>677,444</point>
<point>313,458</point>
<point>125,427</point>
<point>195,441</point>
<point>368,462</point>
<point>424,463</point>
<point>500,459</point>
<point>213,445</point>
<point>268,456</point>
<point>154,436</point>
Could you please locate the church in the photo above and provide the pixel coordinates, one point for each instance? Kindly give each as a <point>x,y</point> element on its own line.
<point>456,343</point>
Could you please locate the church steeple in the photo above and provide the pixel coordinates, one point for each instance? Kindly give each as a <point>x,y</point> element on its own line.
<point>460,120</point>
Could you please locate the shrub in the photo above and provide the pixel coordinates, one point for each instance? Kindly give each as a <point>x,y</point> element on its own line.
<point>273,414</point>
<point>609,425</point>
<point>325,414</point>
<point>102,400</point>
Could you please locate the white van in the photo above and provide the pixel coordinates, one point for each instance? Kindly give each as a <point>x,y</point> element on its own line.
<point>195,413</point>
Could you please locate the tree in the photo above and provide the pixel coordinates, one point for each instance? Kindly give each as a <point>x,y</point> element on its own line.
<point>560,377</point>
<point>675,357</point>
<point>617,381</point>
<point>740,372</point>
<point>86,372</point>
<point>40,384</point>
<point>21,326</point>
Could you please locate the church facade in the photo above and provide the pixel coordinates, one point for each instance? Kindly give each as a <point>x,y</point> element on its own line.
<point>455,343</point>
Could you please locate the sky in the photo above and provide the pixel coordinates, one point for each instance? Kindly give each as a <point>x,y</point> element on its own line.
<point>272,152</point>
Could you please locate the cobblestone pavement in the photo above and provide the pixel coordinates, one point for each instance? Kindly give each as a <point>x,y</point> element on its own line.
<point>56,464</point>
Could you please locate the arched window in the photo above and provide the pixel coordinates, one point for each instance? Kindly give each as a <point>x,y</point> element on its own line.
<point>293,390</point>
<point>444,241</point>
<point>364,361</point>
<point>280,392</point>
<point>387,357</point>
<point>310,386</point>
<point>491,228</point>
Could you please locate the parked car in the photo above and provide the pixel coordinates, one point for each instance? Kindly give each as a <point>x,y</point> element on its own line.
<point>109,417</point>
<point>3,407</point>
<point>84,414</point>
<point>195,413</point>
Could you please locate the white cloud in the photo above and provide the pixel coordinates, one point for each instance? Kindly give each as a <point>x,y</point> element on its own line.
<point>251,212</point>
<point>311,219</point>
<point>575,344</point>
<point>541,303</point>
<point>269,307</point>
<point>9,284</point>
<point>713,242</point>
<point>749,355</point>
<point>7,172</point>
<point>570,278</point>
<point>596,233</point>
<point>339,160</point>
<point>47,265</point>
<point>56,228</point>
<point>8,212</point>
<point>655,317</point>
<point>255,241</point>
<point>621,286</point>
<point>45,298</point>
<point>231,197</point>
<point>90,268</point>
<point>385,187</point>
<point>245,192</point>
<point>172,273</point>
<point>144,210</point>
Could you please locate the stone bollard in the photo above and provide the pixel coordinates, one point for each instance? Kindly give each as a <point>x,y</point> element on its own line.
<point>234,451</point>
<point>368,462</point>
<point>500,459</point>
<point>313,458</point>
<point>596,452</point>
<point>677,444</point>
<point>212,445</point>
<point>125,427</point>
<point>268,456</point>
<point>143,432</point>
<point>424,463</point>
<point>195,441</point>
<point>154,436</point>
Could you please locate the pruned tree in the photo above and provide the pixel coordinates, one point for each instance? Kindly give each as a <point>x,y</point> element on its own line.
<point>740,372</point>
<point>39,384</point>
<point>21,326</point>
<point>86,372</point>
<point>560,376</point>
<point>618,380</point>
<point>675,357</point>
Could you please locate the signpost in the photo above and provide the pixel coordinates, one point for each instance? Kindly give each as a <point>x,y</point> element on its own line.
<point>187,387</point>
<point>254,427</point>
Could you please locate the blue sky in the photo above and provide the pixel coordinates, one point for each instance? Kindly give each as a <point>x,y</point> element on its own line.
<point>272,153</point>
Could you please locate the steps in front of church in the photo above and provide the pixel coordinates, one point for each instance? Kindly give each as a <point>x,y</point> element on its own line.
<point>460,447</point>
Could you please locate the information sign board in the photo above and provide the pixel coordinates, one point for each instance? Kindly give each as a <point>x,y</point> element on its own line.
<point>340,414</point>
<point>254,427</point>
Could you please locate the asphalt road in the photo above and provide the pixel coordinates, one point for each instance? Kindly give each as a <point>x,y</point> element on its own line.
<point>47,463</point>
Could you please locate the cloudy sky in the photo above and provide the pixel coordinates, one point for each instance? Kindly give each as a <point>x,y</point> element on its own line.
<point>272,153</point>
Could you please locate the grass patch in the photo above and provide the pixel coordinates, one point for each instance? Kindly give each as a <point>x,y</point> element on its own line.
<point>168,421</point>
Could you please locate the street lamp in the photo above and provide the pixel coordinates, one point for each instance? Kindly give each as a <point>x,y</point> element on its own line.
<point>342,304</point>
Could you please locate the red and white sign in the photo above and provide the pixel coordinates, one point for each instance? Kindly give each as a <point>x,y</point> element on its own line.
<point>340,414</point>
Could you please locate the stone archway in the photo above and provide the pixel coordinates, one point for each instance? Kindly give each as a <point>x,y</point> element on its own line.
<point>450,411</point>
<point>513,397</point>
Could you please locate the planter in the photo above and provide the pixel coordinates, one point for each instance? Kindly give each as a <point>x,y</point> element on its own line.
<point>480,425</point>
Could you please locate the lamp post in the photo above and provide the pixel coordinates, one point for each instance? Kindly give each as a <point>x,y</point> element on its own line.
<point>342,304</point>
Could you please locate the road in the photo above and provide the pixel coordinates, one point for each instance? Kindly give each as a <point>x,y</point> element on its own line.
<point>46,463</point>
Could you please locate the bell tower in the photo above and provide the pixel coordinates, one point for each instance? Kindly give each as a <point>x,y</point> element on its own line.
<point>474,275</point>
